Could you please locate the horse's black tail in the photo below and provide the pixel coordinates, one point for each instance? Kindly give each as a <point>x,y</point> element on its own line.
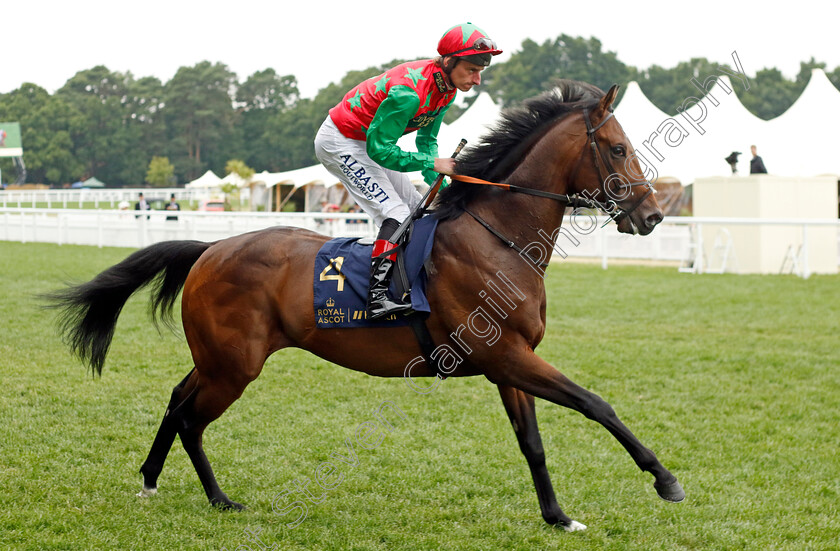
<point>89,311</point>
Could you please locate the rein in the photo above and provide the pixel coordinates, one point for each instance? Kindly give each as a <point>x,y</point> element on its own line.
<point>574,201</point>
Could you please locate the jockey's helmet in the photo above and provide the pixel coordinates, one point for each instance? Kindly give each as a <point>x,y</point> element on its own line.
<point>468,42</point>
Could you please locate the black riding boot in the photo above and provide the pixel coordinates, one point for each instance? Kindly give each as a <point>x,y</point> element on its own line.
<point>379,304</point>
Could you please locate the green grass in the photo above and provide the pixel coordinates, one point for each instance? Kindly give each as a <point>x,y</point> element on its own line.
<point>731,380</point>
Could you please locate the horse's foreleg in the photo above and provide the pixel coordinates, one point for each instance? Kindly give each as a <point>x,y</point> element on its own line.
<point>523,417</point>
<point>535,376</point>
<point>164,438</point>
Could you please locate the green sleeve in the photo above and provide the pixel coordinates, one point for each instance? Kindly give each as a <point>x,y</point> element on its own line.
<point>389,123</point>
<point>427,143</point>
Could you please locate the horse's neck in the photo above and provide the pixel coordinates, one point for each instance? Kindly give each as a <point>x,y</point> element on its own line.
<point>528,218</point>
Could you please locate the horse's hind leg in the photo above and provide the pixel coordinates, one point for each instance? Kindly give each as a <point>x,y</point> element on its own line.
<point>224,368</point>
<point>523,417</point>
<point>195,403</point>
<point>203,406</point>
<point>165,436</point>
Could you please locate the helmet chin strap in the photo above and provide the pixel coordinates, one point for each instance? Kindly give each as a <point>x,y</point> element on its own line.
<point>447,67</point>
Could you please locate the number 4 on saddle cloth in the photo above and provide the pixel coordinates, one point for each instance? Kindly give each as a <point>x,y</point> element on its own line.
<point>342,275</point>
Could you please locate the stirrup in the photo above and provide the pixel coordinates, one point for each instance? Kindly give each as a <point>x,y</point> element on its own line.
<point>384,307</point>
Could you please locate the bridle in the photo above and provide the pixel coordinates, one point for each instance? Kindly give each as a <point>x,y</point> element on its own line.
<point>615,212</point>
<point>575,200</point>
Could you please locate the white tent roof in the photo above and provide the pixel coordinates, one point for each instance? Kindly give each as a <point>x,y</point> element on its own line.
<point>802,140</point>
<point>235,179</point>
<point>797,143</point>
<point>636,114</point>
<point>205,181</point>
<point>315,174</point>
<point>715,127</point>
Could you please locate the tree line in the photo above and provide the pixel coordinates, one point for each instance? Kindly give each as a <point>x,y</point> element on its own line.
<point>112,125</point>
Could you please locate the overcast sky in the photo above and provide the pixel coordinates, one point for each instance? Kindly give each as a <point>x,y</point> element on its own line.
<point>318,41</point>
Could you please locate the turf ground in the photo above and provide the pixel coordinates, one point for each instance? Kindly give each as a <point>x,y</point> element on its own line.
<point>734,381</point>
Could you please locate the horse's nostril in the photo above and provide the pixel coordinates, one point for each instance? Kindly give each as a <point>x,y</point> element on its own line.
<point>652,220</point>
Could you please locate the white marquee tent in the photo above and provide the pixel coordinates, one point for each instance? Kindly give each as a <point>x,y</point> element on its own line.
<point>311,178</point>
<point>208,180</point>
<point>800,142</point>
<point>695,141</point>
<point>803,140</point>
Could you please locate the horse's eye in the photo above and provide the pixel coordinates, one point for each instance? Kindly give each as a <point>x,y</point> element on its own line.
<point>619,151</point>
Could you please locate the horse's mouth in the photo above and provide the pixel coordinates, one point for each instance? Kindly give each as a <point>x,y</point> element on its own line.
<point>639,223</point>
<point>626,225</point>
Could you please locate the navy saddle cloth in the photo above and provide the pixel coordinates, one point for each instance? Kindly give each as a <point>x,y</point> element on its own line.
<point>342,276</point>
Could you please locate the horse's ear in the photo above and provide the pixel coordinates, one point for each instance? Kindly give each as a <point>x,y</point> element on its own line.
<point>609,98</point>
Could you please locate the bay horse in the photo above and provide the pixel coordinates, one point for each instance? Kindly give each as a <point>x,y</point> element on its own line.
<point>248,296</point>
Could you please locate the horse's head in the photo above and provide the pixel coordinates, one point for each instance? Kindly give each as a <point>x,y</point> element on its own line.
<point>609,171</point>
<point>566,144</point>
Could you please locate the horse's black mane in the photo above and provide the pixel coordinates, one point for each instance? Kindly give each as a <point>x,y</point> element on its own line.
<point>504,146</point>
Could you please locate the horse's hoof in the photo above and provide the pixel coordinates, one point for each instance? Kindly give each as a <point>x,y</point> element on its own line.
<point>227,505</point>
<point>672,492</point>
<point>234,506</point>
<point>147,492</point>
<point>573,526</point>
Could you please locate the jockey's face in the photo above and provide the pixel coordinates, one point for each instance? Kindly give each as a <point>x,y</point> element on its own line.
<point>465,75</point>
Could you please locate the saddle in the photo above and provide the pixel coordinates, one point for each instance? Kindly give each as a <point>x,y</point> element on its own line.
<point>342,274</point>
<point>341,277</point>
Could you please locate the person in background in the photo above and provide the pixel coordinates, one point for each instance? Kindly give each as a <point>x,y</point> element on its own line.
<point>172,205</point>
<point>124,207</point>
<point>141,204</point>
<point>756,164</point>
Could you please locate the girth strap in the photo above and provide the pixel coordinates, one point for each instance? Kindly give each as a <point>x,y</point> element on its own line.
<point>424,339</point>
<point>416,320</point>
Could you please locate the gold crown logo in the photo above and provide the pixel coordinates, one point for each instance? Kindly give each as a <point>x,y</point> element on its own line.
<point>330,302</point>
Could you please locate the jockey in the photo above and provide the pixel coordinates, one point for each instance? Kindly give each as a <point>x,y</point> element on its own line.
<point>357,143</point>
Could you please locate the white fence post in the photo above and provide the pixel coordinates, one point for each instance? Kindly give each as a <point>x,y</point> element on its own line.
<point>806,269</point>
<point>99,230</point>
<point>698,262</point>
<point>603,247</point>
